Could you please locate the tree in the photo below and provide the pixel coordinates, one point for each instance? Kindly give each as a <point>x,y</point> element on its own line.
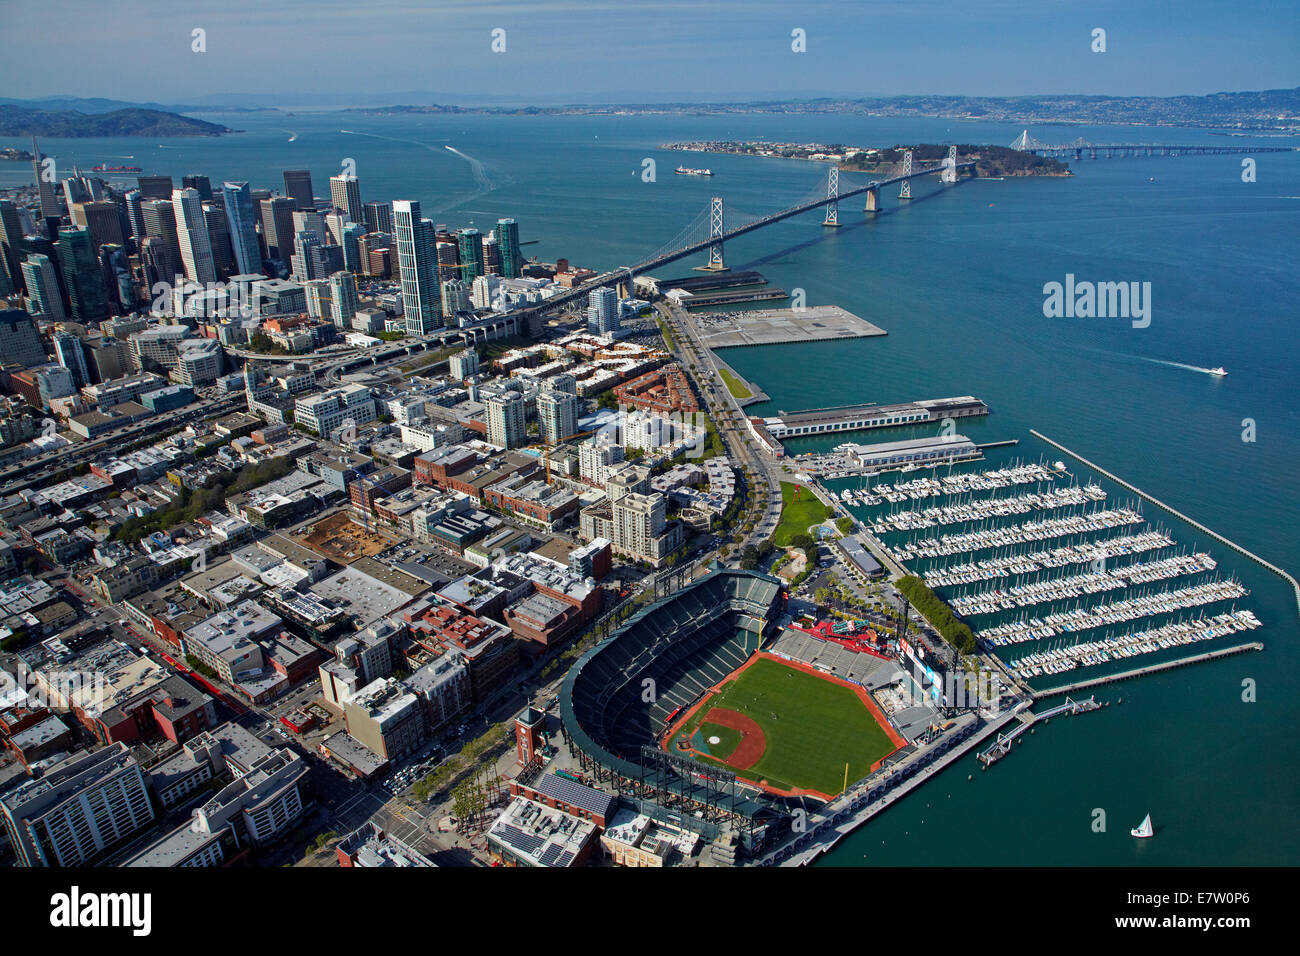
<point>821,595</point>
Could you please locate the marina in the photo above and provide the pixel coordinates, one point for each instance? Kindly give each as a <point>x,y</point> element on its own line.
<point>1050,586</point>
<point>1156,668</point>
<point>1077,585</point>
<point>1107,650</point>
<point>1001,537</point>
<point>1028,563</point>
<point>1119,612</point>
<point>984,508</point>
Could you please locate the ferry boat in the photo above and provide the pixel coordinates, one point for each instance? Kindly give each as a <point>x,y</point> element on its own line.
<point>1219,371</point>
<point>105,168</point>
<point>1144,829</point>
<point>687,171</point>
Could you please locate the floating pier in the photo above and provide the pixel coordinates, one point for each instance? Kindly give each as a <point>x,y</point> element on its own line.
<point>1295,587</point>
<point>1149,669</point>
<point>1002,746</point>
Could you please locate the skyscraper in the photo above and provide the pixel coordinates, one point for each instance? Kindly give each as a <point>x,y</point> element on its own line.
<point>448,261</point>
<point>135,215</point>
<point>335,220</point>
<point>277,227</point>
<point>301,259</point>
<point>242,225</point>
<point>160,224</point>
<point>19,340</point>
<point>343,298</point>
<point>43,286</point>
<point>378,217</point>
<point>192,235</point>
<point>512,259</point>
<point>223,255</point>
<point>351,243</point>
<point>469,244</point>
<point>491,255</point>
<point>557,415</point>
<point>69,353</point>
<point>81,272</point>
<point>201,183</point>
<point>309,220</point>
<point>602,310</point>
<point>102,221</point>
<point>297,186</point>
<point>155,187</point>
<point>345,194</point>
<point>417,267</point>
<point>506,425</point>
<point>11,245</point>
<point>44,184</point>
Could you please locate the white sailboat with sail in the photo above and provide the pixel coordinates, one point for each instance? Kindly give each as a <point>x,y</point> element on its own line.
<point>1144,829</point>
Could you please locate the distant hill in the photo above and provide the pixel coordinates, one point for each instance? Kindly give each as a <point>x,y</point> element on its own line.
<point>98,104</point>
<point>1262,110</point>
<point>73,124</point>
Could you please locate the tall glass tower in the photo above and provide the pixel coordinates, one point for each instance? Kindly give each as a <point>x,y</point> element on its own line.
<point>417,265</point>
<point>242,222</point>
<point>470,245</point>
<point>512,259</point>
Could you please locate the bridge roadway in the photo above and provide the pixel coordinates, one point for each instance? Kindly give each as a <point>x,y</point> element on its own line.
<point>1077,150</point>
<point>613,275</point>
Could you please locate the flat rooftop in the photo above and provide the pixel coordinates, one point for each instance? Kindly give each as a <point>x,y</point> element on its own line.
<point>776,326</point>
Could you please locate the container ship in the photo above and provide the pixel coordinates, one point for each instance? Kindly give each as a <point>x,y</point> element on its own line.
<point>686,171</point>
<point>105,168</point>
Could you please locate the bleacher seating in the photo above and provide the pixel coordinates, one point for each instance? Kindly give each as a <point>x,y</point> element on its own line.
<point>686,643</point>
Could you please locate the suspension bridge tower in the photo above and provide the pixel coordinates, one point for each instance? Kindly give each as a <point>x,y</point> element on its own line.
<point>949,175</point>
<point>833,194</point>
<point>905,193</point>
<point>716,262</point>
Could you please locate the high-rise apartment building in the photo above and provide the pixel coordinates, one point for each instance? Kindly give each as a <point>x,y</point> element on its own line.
<point>507,420</point>
<point>417,267</point>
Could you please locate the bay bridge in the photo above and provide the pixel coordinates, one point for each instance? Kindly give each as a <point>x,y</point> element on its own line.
<point>1081,149</point>
<point>714,225</point>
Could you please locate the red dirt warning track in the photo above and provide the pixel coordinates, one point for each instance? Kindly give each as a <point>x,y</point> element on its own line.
<point>752,742</point>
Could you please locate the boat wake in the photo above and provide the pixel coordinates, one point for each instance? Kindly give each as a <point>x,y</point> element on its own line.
<point>1216,372</point>
<point>485,182</point>
<point>1191,368</point>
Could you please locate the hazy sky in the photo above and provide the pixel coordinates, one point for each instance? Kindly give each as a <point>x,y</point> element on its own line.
<point>641,50</point>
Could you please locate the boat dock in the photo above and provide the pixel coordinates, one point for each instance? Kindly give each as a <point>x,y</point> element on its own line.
<point>1149,669</point>
<point>1295,587</point>
<point>848,418</point>
<point>1002,746</point>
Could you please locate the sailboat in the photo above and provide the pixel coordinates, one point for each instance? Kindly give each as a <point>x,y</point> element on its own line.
<point>1144,829</point>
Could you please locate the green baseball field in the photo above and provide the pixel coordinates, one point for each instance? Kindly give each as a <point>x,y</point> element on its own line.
<point>787,728</point>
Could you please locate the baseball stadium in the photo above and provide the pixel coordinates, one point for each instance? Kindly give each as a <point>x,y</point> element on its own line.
<point>706,711</point>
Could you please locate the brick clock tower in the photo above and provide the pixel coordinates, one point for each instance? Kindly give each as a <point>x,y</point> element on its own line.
<point>528,735</point>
